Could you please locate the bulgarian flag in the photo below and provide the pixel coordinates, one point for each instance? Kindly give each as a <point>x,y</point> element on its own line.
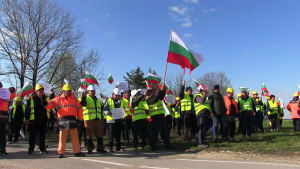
<point>83,84</point>
<point>26,90</point>
<point>199,84</point>
<point>65,82</point>
<point>280,103</point>
<point>169,90</point>
<point>89,79</point>
<point>180,54</point>
<point>153,78</point>
<point>264,90</point>
<point>110,79</point>
<point>148,87</point>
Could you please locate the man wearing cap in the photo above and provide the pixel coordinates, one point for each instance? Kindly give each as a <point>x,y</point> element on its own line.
<point>273,112</point>
<point>294,107</point>
<point>217,109</point>
<point>92,116</point>
<point>231,113</point>
<point>139,119</point>
<point>202,114</point>
<point>246,107</point>
<point>258,119</point>
<point>177,116</point>
<point>114,125</point>
<point>36,116</point>
<point>69,112</point>
<point>4,119</point>
<point>188,110</point>
<point>17,119</point>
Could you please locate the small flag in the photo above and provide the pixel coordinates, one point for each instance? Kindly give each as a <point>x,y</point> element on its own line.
<point>153,78</point>
<point>89,79</point>
<point>245,89</point>
<point>264,90</point>
<point>110,79</point>
<point>199,84</point>
<point>64,82</point>
<point>281,104</point>
<point>83,84</point>
<point>26,90</point>
<point>180,54</point>
<point>165,108</point>
<point>148,87</point>
<point>169,90</point>
<point>22,134</point>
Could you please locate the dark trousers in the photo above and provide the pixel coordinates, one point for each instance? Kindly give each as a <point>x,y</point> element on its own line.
<point>50,125</point>
<point>3,137</point>
<point>126,128</point>
<point>169,124</point>
<point>82,132</point>
<point>156,124</point>
<point>247,124</point>
<point>114,131</point>
<point>259,120</point>
<point>15,130</point>
<point>230,127</point>
<point>178,122</point>
<point>296,123</point>
<point>188,126</point>
<point>34,130</point>
<point>104,125</point>
<point>139,126</point>
<point>149,130</point>
<point>202,123</point>
<point>173,123</point>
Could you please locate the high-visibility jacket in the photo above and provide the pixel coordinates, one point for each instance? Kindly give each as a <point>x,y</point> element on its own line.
<point>228,104</point>
<point>66,107</point>
<point>12,95</point>
<point>111,104</point>
<point>32,109</point>
<point>127,108</point>
<point>139,112</point>
<point>246,105</point>
<point>186,104</point>
<point>273,106</point>
<point>199,106</point>
<point>4,111</point>
<point>177,113</point>
<point>91,111</point>
<point>258,107</point>
<point>295,110</point>
<point>145,104</point>
<point>14,112</point>
<point>156,108</point>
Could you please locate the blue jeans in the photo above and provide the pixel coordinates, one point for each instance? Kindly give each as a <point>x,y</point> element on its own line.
<point>216,120</point>
<point>247,124</point>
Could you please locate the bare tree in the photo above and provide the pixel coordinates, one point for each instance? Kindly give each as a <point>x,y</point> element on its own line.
<point>174,81</point>
<point>211,78</point>
<point>34,35</point>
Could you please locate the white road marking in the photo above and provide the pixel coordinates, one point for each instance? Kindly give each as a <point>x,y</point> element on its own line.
<point>239,162</point>
<point>153,167</point>
<point>105,162</point>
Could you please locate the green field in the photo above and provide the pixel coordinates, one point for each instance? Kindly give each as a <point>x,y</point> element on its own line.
<point>284,142</point>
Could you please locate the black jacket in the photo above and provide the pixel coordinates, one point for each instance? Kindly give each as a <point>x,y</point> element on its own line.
<point>40,112</point>
<point>217,104</point>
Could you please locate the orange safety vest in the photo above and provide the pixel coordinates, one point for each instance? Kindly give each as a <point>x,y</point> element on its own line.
<point>4,105</point>
<point>12,95</point>
<point>228,105</point>
<point>66,107</point>
<point>295,110</point>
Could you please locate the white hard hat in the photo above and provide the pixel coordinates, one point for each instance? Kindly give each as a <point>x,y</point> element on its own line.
<point>134,92</point>
<point>91,87</point>
<point>117,91</point>
<point>199,88</point>
<point>81,90</point>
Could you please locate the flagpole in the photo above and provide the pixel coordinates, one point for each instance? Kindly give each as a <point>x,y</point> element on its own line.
<point>167,59</point>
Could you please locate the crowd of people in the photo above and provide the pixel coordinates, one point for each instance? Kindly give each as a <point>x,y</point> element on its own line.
<point>192,115</point>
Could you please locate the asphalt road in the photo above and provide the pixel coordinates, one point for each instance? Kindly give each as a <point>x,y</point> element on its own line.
<point>127,159</point>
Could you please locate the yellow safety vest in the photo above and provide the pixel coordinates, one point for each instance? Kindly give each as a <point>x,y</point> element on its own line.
<point>258,107</point>
<point>156,108</point>
<point>111,104</point>
<point>32,109</point>
<point>14,112</point>
<point>127,108</point>
<point>199,106</point>
<point>145,104</point>
<point>246,105</point>
<point>176,113</point>
<point>185,103</point>
<point>139,112</point>
<point>273,106</point>
<point>89,111</point>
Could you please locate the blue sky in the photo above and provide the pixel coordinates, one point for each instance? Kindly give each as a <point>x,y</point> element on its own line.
<point>252,41</point>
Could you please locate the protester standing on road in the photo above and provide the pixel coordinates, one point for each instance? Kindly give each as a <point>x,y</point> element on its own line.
<point>69,112</point>
<point>218,109</point>
<point>36,116</point>
<point>17,119</point>
<point>3,121</point>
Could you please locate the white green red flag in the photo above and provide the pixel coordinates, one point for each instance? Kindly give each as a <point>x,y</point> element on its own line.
<point>264,90</point>
<point>169,90</point>
<point>148,86</point>
<point>83,84</point>
<point>153,78</point>
<point>245,89</point>
<point>110,79</point>
<point>199,84</point>
<point>26,90</point>
<point>64,82</point>
<point>180,54</point>
<point>281,104</point>
<point>90,79</point>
